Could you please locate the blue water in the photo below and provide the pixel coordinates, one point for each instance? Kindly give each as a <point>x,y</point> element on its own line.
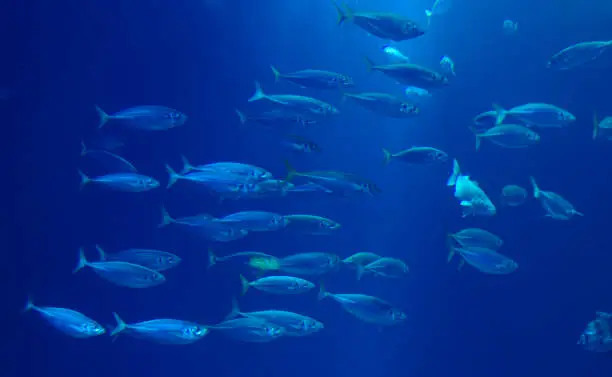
<point>202,58</point>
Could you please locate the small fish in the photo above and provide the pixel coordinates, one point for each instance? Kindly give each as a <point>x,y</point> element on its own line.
<point>342,183</point>
<point>309,263</point>
<point>281,285</point>
<point>385,267</point>
<point>122,273</point>
<point>416,94</point>
<point>300,144</point>
<point>254,221</point>
<point>508,136</point>
<point>277,119</point>
<point>439,7</point>
<point>385,104</point>
<point>68,321</point>
<point>417,155</point>
<point>540,115</point>
<point>361,259</point>
<point>163,331</point>
<point>156,260</point>
<point>250,329</point>
<point>597,336</point>
<point>485,260</point>
<point>294,324</point>
<point>311,224</point>
<point>555,206</point>
<point>510,27</point>
<point>578,54</point>
<point>298,104</point>
<point>513,196</point>
<point>410,74</point>
<point>367,308</point>
<point>395,54</point>
<point>244,257</point>
<point>476,237</point>
<point>314,78</point>
<point>126,182</point>
<point>149,118</point>
<point>108,159</point>
<point>383,25</point>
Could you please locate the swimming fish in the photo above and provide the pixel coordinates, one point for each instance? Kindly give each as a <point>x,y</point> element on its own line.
<point>417,155</point>
<point>68,321</point>
<point>311,224</point>
<point>278,119</point>
<point>385,267</point>
<point>163,331</point>
<point>314,78</point>
<point>473,200</point>
<point>337,182</point>
<point>314,263</point>
<point>508,136</point>
<point>597,336</point>
<point>254,221</point>
<point>410,74</point>
<point>578,54</point>
<point>361,259</point>
<point>126,182</point>
<point>484,260</point>
<point>385,104</point>
<point>249,329</point>
<point>296,103</point>
<point>513,196</point>
<point>555,206</point>
<point>156,260</point>
<point>476,237</point>
<point>149,118</point>
<point>541,115</point>
<point>282,285</point>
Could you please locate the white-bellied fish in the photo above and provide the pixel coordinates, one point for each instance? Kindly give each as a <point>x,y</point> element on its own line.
<point>337,182</point>
<point>417,155</point>
<point>243,257</point>
<point>254,221</point>
<point>280,285</point>
<point>249,329</point>
<point>410,74</point>
<point>361,258</point>
<point>238,169</point>
<point>541,115</point>
<point>309,263</point>
<point>385,104</point>
<point>122,273</point>
<point>163,331</point>
<point>578,54</point>
<point>299,104</point>
<point>476,237</point>
<point>385,267</point>
<point>508,136</point>
<point>388,26</point>
<point>555,206</point>
<point>68,321</point>
<point>367,308</point>
<point>311,224</point>
<point>484,260</point>
<point>314,78</point>
<point>156,260</point>
<point>473,200</point>
<point>513,196</point>
<point>148,118</point>
<point>125,182</point>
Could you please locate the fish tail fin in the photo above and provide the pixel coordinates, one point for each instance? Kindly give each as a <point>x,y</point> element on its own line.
<point>259,93</point>
<point>322,292</point>
<point>291,172</point>
<point>341,15</point>
<point>104,117</point>
<point>187,167</point>
<point>101,252</point>
<point>428,14</point>
<point>84,180</point>
<point>452,180</point>
<point>241,116</point>
<point>595,124</point>
<point>82,261</point>
<point>245,285</point>
<point>370,63</point>
<point>277,74</point>
<point>360,271</point>
<point>29,305</point>
<point>172,176</point>
<point>121,325</point>
<point>166,218</point>
<point>450,247</point>
<point>536,189</point>
<point>500,114</point>
<point>387,155</point>
<point>84,149</point>
<point>235,312</point>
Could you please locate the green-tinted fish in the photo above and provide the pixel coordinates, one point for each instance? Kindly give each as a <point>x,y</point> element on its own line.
<point>513,196</point>
<point>385,267</point>
<point>311,224</point>
<point>282,285</point>
<point>410,74</point>
<point>475,237</point>
<point>485,260</point>
<point>245,257</point>
<point>388,26</point>
<point>385,104</point>
<point>509,136</point>
<point>314,78</point>
<point>344,183</point>
<point>298,104</point>
<point>417,155</point>
<point>361,259</point>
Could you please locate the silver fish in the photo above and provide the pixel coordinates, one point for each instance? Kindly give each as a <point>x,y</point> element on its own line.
<point>68,321</point>
<point>299,104</point>
<point>311,224</point>
<point>309,263</point>
<point>476,237</point>
<point>417,155</point>
<point>578,54</point>
<point>126,182</point>
<point>156,260</point>
<point>163,331</point>
<point>282,285</point>
<point>314,78</point>
<point>385,267</point>
<point>149,118</point>
<point>508,136</point>
<point>250,329</point>
<point>484,260</point>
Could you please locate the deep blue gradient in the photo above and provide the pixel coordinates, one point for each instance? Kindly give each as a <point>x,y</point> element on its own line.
<point>203,59</point>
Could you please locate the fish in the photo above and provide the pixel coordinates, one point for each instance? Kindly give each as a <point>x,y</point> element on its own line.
<point>68,321</point>
<point>254,221</point>
<point>439,7</point>
<point>385,267</point>
<point>410,74</point>
<point>513,196</point>
<point>472,199</point>
<point>311,224</point>
<point>250,329</point>
<point>361,259</point>
<point>555,206</point>
<point>395,54</point>
<point>263,264</point>
<point>125,182</point>
<point>344,183</point>
<point>383,25</point>
<point>277,119</point>
<point>484,260</point>
<point>448,66</point>
<point>366,308</point>
<point>244,257</point>
<point>148,118</point>
<point>294,324</point>
<point>597,336</point>
<point>602,129</point>
<point>300,144</point>
<point>155,260</point>
<point>122,273</point>
<point>542,115</point>
<point>314,263</point>
<point>163,331</point>
<point>296,103</point>
<point>416,155</point>
<point>282,285</point>
<point>476,237</point>
<point>508,136</point>
<point>215,179</point>
<point>238,169</point>
<point>385,104</point>
<point>206,225</point>
<point>578,54</point>
<point>314,78</point>
<point>108,159</point>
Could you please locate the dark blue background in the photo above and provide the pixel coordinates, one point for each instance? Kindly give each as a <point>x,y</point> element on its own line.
<point>64,57</point>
